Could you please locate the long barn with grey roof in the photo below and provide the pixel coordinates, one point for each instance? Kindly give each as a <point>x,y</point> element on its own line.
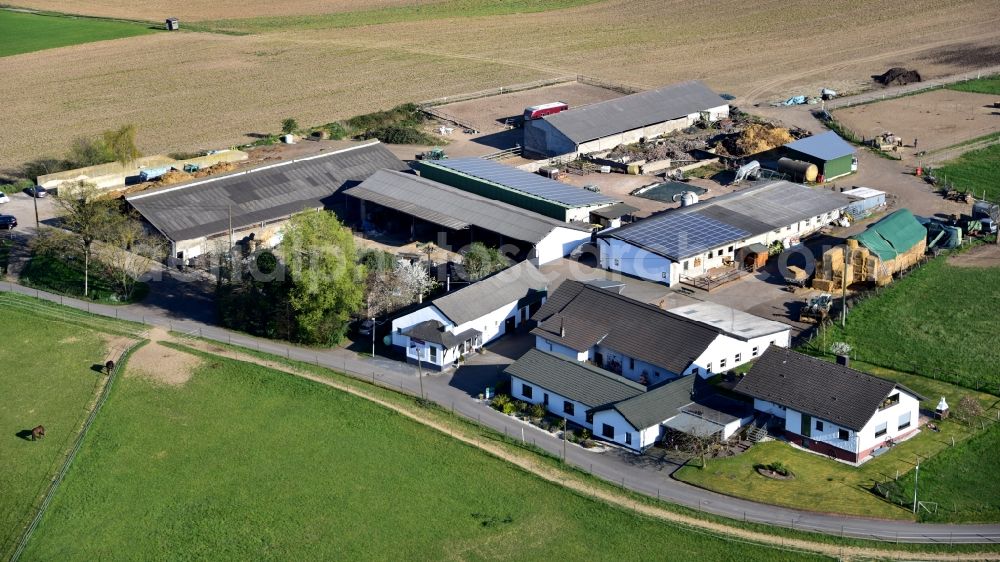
<point>193,216</point>
<point>626,120</point>
<point>427,209</point>
<point>517,187</point>
<point>729,230</point>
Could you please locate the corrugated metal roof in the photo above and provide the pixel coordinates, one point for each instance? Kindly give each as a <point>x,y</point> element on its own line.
<point>454,208</point>
<point>819,388</point>
<point>736,323</point>
<point>580,382</point>
<point>482,297</point>
<point>614,116</point>
<point>825,146</point>
<point>688,231</point>
<point>863,193</point>
<point>517,179</point>
<point>202,208</point>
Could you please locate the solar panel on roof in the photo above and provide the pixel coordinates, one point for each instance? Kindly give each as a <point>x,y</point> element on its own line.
<point>520,180</point>
<point>680,235</point>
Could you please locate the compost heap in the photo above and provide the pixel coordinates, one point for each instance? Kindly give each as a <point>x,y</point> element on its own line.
<point>659,149</point>
<point>897,76</point>
<point>759,137</point>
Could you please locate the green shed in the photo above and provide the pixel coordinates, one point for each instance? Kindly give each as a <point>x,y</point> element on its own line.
<point>833,155</point>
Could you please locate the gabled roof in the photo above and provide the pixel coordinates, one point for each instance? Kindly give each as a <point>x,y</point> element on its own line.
<point>576,381</point>
<point>202,208</point>
<point>894,234</point>
<point>436,332</point>
<point>684,232</point>
<point>656,405</point>
<point>819,388</point>
<point>521,281</point>
<point>454,208</point>
<point>824,146</point>
<point>614,116</point>
<point>735,323</point>
<point>579,316</point>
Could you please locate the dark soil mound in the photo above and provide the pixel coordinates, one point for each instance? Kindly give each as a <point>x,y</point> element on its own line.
<point>897,76</point>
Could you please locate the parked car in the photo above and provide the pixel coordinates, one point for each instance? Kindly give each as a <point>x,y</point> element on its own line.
<point>4,198</point>
<point>365,328</point>
<point>7,222</point>
<point>36,191</point>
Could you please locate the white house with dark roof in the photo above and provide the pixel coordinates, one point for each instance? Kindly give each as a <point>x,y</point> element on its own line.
<point>463,321</point>
<point>619,410</point>
<point>642,342</point>
<point>728,230</point>
<point>608,124</point>
<point>830,408</point>
<point>749,336</point>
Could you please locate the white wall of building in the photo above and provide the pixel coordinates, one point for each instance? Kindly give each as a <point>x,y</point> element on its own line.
<point>555,401</point>
<point>624,434</point>
<point>547,345</point>
<point>727,352</point>
<point>631,368</point>
<point>769,408</point>
<point>429,312</point>
<point>616,255</point>
<point>890,416</point>
<point>560,242</point>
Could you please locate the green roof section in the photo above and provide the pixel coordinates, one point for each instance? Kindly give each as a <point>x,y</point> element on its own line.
<point>893,235</point>
<point>656,405</point>
<point>583,383</point>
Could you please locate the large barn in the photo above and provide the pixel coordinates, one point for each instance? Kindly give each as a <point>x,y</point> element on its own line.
<point>519,188</point>
<point>726,230</point>
<point>605,125</point>
<point>426,209</point>
<point>196,216</point>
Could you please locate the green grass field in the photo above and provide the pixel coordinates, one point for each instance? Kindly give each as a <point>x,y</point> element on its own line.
<point>245,463</point>
<point>440,10</point>
<point>25,33</point>
<point>940,322</point>
<point>974,171</point>
<point>988,85</point>
<point>66,278</point>
<point>47,380</point>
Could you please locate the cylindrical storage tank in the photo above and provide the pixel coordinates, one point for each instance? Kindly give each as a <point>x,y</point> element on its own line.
<point>798,169</point>
<point>688,198</point>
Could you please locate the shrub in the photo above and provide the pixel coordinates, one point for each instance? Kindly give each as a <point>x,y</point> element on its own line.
<point>335,130</point>
<point>398,134</point>
<point>406,114</point>
<point>536,411</point>
<point>521,406</point>
<point>509,408</point>
<point>779,467</point>
<point>500,401</point>
<point>289,126</point>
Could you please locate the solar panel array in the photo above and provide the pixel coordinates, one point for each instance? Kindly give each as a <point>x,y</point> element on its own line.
<point>680,235</point>
<point>520,180</point>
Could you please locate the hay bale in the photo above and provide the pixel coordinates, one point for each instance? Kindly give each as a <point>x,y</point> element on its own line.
<point>174,176</point>
<point>759,137</point>
<point>823,285</point>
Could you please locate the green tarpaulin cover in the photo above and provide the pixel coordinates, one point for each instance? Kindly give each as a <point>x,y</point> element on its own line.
<point>893,235</point>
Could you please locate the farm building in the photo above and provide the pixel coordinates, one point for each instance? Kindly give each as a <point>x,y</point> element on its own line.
<point>517,187</point>
<point>894,243</point>
<point>427,209</point>
<point>729,231</point>
<point>865,201</point>
<point>608,124</point>
<point>833,155</point>
<point>115,175</point>
<point>195,216</point>
<point>642,342</point>
<point>617,409</point>
<point>830,408</point>
<point>465,320</point>
<point>756,331</point>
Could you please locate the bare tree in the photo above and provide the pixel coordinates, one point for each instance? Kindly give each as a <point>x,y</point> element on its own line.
<point>968,409</point>
<point>129,253</point>
<point>89,218</point>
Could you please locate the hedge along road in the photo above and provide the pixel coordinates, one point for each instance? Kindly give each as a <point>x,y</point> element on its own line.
<point>613,468</point>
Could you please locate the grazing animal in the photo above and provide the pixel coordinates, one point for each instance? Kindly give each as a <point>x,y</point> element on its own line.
<point>37,432</point>
<point>110,366</point>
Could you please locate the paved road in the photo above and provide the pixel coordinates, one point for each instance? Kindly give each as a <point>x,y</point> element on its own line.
<point>640,474</point>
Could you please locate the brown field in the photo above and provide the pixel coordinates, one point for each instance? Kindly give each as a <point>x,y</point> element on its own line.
<point>938,119</point>
<point>198,10</point>
<point>201,90</point>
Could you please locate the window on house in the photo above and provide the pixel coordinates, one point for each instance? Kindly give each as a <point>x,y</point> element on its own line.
<point>617,262</point>
<point>686,263</point>
<point>550,346</point>
<point>709,255</point>
<point>545,398</point>
<point>890,401</point>
<point>739,357</point>
<point>526,390</point>
<point>631,362</point>
<point>843,435</point>
<point>755,351</point>
<point>607,431</point>
<point>708,368</point>
<point>881,429</point>
<point>730,249</point>
<point>434,354</point>
<point>590,417</point>
<point>663,275</point>
<point>568,407</point>
<point>819,425</point>
<point>722,363</point>
<point>628,437</point>
<point>904,421</point>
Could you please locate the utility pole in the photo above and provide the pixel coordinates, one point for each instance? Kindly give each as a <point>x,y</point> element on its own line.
<point>231,228</point>
<point>564,439</point>
<point>420,376</point>
<point>843,297</point>
<point>916,477</point>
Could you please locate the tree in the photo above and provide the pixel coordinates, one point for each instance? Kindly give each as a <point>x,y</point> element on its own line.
<point>88,218</point>
<point>415,281</point>
<point>89,152</point>
<point>480,261</point>
<point>327,282</point>
<point>289,126</point>
<point>129,253</point>
<point>968,409</point>
<point>121,144</point>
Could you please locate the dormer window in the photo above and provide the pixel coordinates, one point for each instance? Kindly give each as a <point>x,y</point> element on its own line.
<point>890,402</point>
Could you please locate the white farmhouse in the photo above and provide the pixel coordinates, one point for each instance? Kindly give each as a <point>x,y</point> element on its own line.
<point>467,319</point>
<point>831,408</point>
<point>731,230</point>
<point>645,343</point>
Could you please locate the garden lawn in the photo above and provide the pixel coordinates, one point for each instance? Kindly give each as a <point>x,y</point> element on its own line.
<point>974,171</point>
<point>46,379</point>
<point>940,321</point>
<point>24,32</point>
<point>988,85</point>
<point>245,463</point>
<point>66,278</point>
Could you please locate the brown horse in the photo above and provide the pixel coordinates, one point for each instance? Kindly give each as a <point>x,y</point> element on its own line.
<point>38,432</point>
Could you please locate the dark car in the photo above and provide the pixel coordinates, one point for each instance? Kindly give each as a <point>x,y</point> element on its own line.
<point>7,222</point>
<point>36,191</point>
